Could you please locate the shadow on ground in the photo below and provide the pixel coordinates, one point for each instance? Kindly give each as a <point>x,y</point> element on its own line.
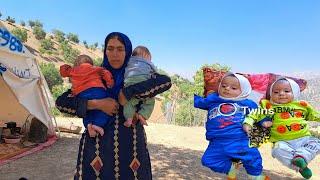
<point>58,162</point>
<point>177,163</point>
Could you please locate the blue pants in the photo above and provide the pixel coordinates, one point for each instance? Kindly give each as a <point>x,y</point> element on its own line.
<point>95,117</point>
<point>220,154</point>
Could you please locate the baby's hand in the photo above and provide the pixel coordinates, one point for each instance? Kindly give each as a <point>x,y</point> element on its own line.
<point>247,128</point>
<point>267,124</point>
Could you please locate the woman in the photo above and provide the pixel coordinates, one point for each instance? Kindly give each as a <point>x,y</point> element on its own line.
<point>121,153</point>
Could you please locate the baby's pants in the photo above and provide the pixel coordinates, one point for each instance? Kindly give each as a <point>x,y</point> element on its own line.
<point>220,154</point>
<point>307,147</point>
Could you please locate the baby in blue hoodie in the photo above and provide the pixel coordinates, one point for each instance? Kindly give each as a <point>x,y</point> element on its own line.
<point>228,142</point>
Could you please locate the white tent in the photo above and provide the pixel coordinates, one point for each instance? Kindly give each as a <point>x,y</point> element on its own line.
<point>23,89</point>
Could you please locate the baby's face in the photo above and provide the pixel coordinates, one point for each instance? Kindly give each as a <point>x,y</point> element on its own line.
<point>230,87</point>
<point>282,92</point>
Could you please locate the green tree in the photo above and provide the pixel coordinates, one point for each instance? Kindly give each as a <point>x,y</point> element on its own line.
<point>11,20</point>
<point>0,14</point>
<point>21,34</point>
<point>57,90</point>
<point>39,32</point>
<point>92,47</point>
<point>85,44</point>
<point>38,23</point>
<point>102,47</point>
<point>198,77</point>
<point>69,54</point>
<point>97,61</point>
<point>73,37</point>
<point>46,46</point>
<point>59,35</point>
<point>51,74</point>
<point>96,45</point>
<point>31,23</point>
<point>23,23</point>
<point>180,96</point>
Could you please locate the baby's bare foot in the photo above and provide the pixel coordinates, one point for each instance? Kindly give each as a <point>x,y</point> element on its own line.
<point>128,122</point>
<point>91,131</point>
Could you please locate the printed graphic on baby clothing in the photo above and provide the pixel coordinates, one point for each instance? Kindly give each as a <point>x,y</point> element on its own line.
<point>224,109</point>
<point>292,127</point>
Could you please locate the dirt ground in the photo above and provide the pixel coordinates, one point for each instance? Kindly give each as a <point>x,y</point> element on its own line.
<point>175,154</point>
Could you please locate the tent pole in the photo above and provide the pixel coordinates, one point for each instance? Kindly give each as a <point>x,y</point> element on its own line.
<point>46,93</point>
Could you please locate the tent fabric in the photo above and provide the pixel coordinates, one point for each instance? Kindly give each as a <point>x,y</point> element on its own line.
<point>23,89</point>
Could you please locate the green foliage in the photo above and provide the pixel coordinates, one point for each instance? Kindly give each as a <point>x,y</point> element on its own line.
<point>97,61</point>
<point>161,71</point>
<point>73,37</point>
<point>46,46</point>
<point>95,45</point>
<point>69,54</point>
<point>57,90</point>
<point>51,74</point>
<point>85,44</point>
<point>181,97</point>
<point>21,34</point>
<point>31,23</point>
<point>10,19</point>
<point>39,33</point>
<point>198,77</point>
<point>55,112</point>
<point>59,35</point>
<point>0,14</point>
<point>23,23</point>
<point>187,115</point>
<point>38,23</point>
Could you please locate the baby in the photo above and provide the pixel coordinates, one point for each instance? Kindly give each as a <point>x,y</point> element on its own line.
<point>139,68</point>
<point>228,142</point>
<point>87,83</point>
<point>293,144</point>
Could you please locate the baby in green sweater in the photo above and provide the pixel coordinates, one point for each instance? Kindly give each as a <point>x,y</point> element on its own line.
<point>293,144</point>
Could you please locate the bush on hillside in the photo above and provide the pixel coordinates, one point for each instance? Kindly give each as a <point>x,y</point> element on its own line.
<point>51,74</point>
<point>39,33</point>
<point>21,34</point>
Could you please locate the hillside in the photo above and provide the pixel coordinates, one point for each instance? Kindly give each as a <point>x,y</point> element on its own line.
<point>33,45</point>
<point>311,94</point>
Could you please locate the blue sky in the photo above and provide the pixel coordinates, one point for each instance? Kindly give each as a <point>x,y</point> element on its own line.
<point>248,35</point>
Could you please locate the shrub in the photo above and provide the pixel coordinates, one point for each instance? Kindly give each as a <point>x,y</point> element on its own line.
<point>73,37</point>
<point>51,74</point>
<point>39,32</point>
<point>21,34</point>
<point>46,46</point>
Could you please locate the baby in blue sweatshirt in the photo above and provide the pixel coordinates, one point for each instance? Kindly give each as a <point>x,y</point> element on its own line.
<point>228,142</point>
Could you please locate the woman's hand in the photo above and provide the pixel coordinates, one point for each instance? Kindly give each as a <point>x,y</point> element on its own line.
<point>107,105</point>
<point>122,99</point>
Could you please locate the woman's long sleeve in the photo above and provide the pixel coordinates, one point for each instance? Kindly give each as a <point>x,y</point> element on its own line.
<point>69,104</point>
<point>148,88</point>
